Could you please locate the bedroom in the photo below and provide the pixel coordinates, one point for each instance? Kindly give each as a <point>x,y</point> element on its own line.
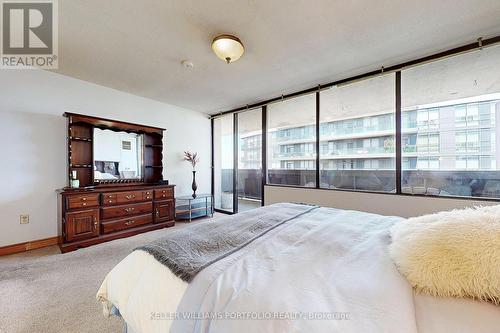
<point>348,122</point>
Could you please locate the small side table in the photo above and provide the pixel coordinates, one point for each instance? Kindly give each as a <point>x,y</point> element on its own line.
<point>190,207</point>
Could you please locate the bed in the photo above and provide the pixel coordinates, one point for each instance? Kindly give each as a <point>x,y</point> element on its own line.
<point>314,269</point>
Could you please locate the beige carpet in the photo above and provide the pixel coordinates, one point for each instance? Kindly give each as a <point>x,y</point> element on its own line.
<point>45,291</point>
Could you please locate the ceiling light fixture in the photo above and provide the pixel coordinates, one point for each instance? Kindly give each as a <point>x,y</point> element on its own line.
<point>228,48</point>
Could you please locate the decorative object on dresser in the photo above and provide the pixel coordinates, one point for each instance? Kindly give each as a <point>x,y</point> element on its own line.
<point>193,159</point>
<point>122,192</point>
<point>75,183</point>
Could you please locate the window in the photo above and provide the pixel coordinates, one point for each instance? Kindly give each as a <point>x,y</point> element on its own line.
<point>223,163</point>
<point>249,173</point>
<point>291,147</point>
<point>357,135</point>
<point>456,101</point>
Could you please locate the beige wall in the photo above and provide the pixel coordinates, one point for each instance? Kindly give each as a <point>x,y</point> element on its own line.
<point>399,205</point>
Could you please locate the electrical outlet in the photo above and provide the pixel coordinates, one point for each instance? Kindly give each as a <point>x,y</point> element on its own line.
<point>24,219</point>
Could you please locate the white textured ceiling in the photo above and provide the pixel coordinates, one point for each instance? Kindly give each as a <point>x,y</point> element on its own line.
<point>137,46</point>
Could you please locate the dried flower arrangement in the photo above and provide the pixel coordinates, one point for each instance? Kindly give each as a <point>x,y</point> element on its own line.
<point>191,158</point>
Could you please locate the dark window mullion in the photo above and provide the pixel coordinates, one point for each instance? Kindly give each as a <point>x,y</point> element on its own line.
<point>317,140</point>
<point>213,160</point>
<point>399,159</point>
<point>264,151</point>
<point>235,162</point>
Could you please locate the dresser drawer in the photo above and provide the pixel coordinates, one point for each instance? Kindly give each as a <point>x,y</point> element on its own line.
<point>164,193</point>
<point>132,196</point>
<point>147,195</point>
<point>117,198</point>
<point>108,199</point>
<point>82,201</point>
<point>126,223</point>
<point>126,210</point>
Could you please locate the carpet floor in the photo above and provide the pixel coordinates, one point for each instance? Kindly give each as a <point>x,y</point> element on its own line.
<point>45,291</point>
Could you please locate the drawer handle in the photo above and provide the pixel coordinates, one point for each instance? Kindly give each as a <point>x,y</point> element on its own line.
<point>110,201</point>
<point>130,222</point>
<point>110,196</point>
<point>130,196</point>
<point>84,204</point>
<point>148,193</point>
<point>84,199</point>
<point>129,209</point>
<point>157,213</point>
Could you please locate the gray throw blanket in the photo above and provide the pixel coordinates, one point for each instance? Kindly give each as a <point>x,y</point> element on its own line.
<point>186,252</point>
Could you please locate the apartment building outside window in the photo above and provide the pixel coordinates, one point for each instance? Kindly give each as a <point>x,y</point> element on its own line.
<point>291,140</point>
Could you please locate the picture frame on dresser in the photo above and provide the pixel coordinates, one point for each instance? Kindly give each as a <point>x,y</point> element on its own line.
<point>119,205</point>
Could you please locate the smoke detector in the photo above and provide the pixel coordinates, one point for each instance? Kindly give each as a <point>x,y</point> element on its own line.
<point>187,64</point>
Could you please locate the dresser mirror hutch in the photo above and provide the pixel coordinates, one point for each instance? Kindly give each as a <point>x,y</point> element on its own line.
<point>115,182</point>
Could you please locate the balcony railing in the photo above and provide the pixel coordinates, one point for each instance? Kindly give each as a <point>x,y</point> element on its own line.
<point>326,130</point>
<point>360,151</point>
<point>294,154</point>
<point>439,182</point>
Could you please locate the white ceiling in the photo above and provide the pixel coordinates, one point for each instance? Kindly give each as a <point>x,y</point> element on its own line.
<point>137,46</point>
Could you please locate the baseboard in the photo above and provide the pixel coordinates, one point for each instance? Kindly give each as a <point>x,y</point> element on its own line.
<point>31,245</point>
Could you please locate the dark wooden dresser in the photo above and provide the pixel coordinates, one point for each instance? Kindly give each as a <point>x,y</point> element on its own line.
<point>123,203</point>
<point>98,215</point>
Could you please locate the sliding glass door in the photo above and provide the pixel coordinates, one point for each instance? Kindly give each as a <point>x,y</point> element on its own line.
<point>223,163</point>
<point>237,161</point>
<point>249,185</point>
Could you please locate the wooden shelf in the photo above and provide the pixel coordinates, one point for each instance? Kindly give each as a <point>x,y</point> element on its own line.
<point>74,138</point>
<point>80,138</point>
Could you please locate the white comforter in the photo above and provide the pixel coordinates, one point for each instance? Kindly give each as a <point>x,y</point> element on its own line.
<point>326,263</point>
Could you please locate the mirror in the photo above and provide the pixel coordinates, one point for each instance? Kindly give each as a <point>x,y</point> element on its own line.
<point>117,155</point>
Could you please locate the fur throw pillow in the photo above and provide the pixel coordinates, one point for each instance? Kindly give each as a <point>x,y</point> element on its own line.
<point>454,253</point>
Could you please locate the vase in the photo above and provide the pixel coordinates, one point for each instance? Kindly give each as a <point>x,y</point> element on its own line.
<point>193,185</point>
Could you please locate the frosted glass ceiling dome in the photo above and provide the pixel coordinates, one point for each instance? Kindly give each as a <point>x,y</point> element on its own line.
<point>228,48</point>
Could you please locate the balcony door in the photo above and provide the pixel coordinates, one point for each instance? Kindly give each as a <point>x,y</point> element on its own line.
<point>237,161</point>
<point>223,163</point>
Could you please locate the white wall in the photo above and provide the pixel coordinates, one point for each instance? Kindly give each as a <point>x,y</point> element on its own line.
<point>33,143</point>
<point>384,204</point>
